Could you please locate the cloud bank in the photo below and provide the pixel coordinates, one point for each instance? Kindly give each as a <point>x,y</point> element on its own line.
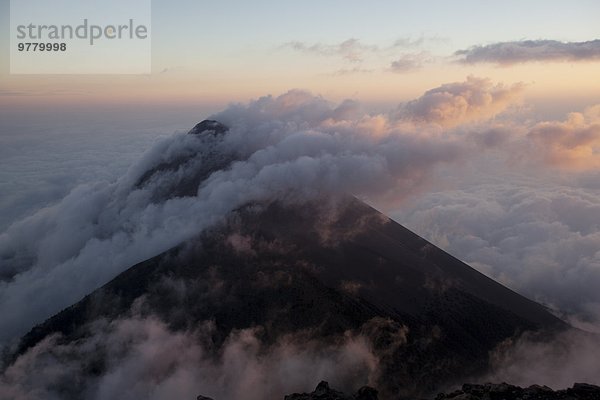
<point>573,143</point>
<point>291,148</point>
<point>508,53</point>
<point>542,240</point>
<point>457,103</point>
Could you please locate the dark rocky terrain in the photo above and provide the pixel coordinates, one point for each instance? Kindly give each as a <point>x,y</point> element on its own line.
<point>324,392</point>
<point>504,391</point>
<point>489,391</point>
<point>320,269</point>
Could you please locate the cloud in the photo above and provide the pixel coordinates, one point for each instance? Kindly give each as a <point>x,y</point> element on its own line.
<point>574,143</point>
<point>290,148</point>
<point>172,69</point>
<point>12,92</point>
<point>457,103</point>
<point>571,356</point>
<point>47,153</point>
<point>142,358</point>
<point>351,71</point>
<point>351,50</point>
<point>294,148</point>
<point>410,62</point>
<point>541,240</point>
<point>41,92</point>
<point>420,41</point>
<point>354,51</point>
<point>508,53</point>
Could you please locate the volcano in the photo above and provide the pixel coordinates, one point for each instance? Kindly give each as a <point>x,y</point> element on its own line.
<point>322,269</point>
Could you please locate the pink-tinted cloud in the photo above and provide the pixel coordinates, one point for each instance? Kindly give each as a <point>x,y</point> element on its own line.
<point>574,143</point>
<point>143,359</point>
<point>457,103</point>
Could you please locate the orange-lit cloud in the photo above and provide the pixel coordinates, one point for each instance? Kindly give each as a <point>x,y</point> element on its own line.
<point>456,103</point>
<point>574,143</point>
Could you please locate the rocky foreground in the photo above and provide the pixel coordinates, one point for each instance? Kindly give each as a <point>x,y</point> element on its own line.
<point>324,392</point>
<point>504,391</point>
<point>489,391</point>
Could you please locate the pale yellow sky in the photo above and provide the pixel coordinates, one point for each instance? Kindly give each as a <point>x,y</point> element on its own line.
<point>547,82</point>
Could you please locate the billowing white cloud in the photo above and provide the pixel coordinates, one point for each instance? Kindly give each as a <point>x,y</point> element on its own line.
<point>293,147</point>
<point>574,143</point>
<point>540,238</point>
<point>457,103</point>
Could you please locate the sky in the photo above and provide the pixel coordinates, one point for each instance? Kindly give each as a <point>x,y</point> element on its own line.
<point>475,124</point>
<point>217,52</point>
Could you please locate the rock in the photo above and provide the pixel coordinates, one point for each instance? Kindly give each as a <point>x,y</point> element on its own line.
<point>475,390</point>
<point>324,392</point>
<point>505,391</point>
<point>585,391</point>
<point>322,389</point>
<point>538,388</point>
<point>209,126</point>
<point>488,391</point>
<point>585,387</point>
<point>366,393</point>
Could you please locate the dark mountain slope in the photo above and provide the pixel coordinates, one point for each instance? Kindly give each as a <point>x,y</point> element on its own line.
<point>291,269</point>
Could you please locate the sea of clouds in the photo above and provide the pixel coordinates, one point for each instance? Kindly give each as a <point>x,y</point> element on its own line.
<point>518,199</point>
